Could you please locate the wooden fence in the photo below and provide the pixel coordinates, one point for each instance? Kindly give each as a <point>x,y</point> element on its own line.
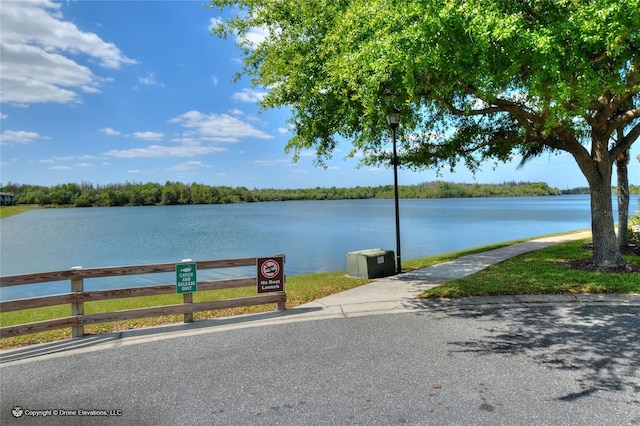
<point>77,296</point>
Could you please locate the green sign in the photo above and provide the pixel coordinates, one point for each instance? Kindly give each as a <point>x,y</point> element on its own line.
<point>186,281</point>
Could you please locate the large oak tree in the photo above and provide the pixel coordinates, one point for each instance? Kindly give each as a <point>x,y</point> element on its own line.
<point>474,80</point>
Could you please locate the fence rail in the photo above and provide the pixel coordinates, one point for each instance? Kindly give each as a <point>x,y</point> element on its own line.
<point>77,296</point>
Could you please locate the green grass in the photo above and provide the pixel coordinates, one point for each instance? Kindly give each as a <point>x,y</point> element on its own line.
<point>300,289</point>
<point>541,272</point>
<point>6,211</point>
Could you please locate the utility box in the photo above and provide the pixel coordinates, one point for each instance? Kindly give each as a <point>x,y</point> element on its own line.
<point>372,263</point>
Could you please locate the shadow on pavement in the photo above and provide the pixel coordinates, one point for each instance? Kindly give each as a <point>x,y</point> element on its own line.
<point>599,343</point>
<point>37,350</point>
<point>92,341</point>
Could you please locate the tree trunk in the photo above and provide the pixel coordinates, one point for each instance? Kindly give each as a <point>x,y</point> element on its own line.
<point>623,198</point>
<point>606,251</point>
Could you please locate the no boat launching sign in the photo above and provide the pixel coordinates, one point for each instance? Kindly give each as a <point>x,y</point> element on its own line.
<point>270,274</point>
<point>186,281</point>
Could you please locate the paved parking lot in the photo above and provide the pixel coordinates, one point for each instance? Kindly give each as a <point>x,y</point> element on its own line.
<point>511,363</point>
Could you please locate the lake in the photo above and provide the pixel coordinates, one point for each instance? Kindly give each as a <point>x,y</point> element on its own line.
<point>315,236</point>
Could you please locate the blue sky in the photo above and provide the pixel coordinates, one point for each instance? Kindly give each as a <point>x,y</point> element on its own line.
<point>139,91</point>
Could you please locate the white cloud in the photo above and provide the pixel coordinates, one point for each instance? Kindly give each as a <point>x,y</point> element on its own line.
<point>54,159</point>
<point>255,36</point>
<point>60,168</point>
<point>201,132</point>
<point>157,151</point>
<point>271,162</point>
<point>214,80</point>
<point>109,131</point>
<point>3,116</point>
<point>152,136</point>
<point>188,166</point>
<point>32,75</point>
<point>249,96</point>
<point>216,127</point>
<point>150,80</point>
<point>37,46</point>
<point>20,136</point>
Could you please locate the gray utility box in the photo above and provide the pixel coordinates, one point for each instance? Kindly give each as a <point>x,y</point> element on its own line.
<point>372,263</point>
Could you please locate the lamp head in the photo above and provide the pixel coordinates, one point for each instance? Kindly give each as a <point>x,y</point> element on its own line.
<point>393,117</point>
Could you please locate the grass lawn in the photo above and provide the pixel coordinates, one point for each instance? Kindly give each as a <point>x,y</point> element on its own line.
<point>541,272</point>
<point>300,289</point>
<point>6,211</point>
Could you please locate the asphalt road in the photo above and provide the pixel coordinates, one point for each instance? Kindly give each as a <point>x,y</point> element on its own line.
<point>512,364</point>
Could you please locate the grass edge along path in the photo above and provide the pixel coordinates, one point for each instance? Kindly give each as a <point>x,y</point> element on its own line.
<point>543,271</point>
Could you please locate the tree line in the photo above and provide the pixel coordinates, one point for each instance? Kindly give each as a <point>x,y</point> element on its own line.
<point>177,193</point>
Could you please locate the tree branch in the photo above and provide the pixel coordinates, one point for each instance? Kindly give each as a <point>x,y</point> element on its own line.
<point>615,101</point>
<point>623,119</point>
<point>462,113</point>
<point>524,117</point>
<point>626,142</point>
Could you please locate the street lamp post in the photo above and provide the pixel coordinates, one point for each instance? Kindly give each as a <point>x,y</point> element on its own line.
<point>393,118</point>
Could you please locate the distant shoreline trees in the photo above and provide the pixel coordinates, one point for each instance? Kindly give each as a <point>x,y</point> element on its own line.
<point>177,193</point>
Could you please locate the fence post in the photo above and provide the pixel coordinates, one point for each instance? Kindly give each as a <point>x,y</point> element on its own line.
<point>188,298</point>
<point>77,308</point>
<point>281,306</point>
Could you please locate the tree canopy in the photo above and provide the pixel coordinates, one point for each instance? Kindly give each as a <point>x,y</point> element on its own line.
<point>474,80</point>
<point>178,193</point>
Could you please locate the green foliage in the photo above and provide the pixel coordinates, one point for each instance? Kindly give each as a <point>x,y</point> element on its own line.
<point>633,189</point>
<point>176,193</point>
<point>507,76</point>
<point>473,80</point>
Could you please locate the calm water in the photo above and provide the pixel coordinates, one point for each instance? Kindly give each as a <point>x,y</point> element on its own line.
<point>315,235</point>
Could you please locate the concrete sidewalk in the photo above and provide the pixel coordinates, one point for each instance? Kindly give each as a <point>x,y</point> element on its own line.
<point>398,293</point>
